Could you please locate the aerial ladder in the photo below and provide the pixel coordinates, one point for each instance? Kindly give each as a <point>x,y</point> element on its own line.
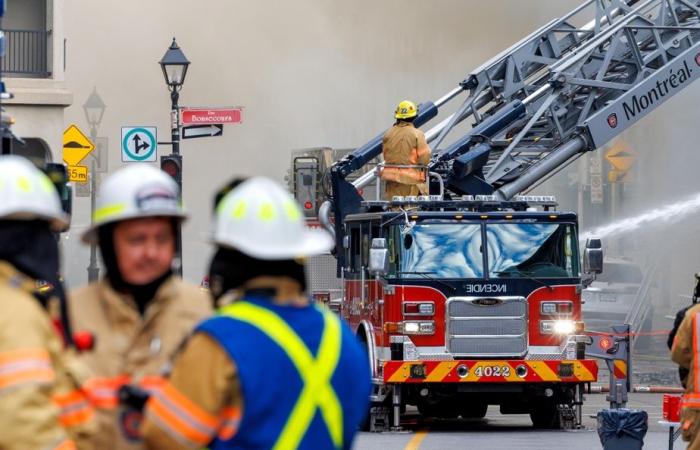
<point>567,89</point>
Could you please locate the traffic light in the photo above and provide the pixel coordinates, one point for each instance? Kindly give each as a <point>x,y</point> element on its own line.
<point>58,175</point>
<point>172,165</point>
<point>305,186</point>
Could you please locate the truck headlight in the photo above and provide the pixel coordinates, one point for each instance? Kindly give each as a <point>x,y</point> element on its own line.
<point>563,327</point>
<point>417,327</point>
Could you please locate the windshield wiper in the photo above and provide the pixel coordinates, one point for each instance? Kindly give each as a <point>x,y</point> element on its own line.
<point>427,276</point>
<point>526,275</point>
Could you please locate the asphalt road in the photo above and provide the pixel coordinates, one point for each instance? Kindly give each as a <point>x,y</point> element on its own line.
<point>515,432</point>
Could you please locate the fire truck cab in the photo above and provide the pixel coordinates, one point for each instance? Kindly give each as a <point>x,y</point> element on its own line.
<point>468,303</point>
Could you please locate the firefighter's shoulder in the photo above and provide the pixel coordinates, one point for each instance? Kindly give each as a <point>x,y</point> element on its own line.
<point>693,310</point>
<point>190,298</point>
<point>23,321</point>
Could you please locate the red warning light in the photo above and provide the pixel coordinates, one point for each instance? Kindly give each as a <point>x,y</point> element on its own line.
<point>308,205</point>
<point>361,192</point>
<point>605,343</point>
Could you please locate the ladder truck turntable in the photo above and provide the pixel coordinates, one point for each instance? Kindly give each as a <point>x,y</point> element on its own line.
<point>470,296</point>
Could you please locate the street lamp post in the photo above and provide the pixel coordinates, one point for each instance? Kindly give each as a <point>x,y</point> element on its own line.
<point>94,109</point>
<point>174,65</point>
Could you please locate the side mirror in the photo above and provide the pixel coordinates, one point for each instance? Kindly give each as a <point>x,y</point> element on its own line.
<point>593,257</point>
<point>378,257</point>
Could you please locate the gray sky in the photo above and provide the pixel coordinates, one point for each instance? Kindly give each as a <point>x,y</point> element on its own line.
<point>309,73</point>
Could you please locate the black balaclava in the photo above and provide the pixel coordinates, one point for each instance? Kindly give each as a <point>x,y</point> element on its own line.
<point>142,293</point>
<point>230,269</point>
<point>32,248</point>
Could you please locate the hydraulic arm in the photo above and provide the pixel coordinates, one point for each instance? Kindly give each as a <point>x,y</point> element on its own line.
<point>563,90</point>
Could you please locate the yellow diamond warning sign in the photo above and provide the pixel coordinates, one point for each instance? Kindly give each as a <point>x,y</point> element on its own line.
<point>621,157</point>
<point>76,146</point>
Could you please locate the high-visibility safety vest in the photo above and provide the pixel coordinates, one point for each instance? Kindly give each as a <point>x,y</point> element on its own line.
<point>304,377</point>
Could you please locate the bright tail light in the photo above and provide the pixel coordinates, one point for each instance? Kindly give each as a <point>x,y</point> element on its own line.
<point>418,309</point>
<point>605,344</point>
<point>561,327</point>
<point>417,327</point>
<point>557,308</point>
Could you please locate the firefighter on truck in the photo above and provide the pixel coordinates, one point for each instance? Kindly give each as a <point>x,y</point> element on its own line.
<point>404,147</point>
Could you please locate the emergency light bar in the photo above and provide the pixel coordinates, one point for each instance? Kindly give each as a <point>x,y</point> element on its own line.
<point>466,202</point>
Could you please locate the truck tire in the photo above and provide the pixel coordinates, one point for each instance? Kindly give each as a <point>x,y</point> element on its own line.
<point>545,417</point>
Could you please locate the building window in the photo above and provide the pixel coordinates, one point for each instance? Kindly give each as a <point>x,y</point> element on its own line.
<point>28,39</point>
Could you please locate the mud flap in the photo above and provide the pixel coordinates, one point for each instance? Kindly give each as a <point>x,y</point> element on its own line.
<point>567,417</point>
<point>379,419</point>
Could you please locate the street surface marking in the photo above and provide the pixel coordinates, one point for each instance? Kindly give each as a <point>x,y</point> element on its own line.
<point>415,441</point>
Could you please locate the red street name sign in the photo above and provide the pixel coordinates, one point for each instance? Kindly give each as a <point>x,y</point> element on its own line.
<point>203,116</point>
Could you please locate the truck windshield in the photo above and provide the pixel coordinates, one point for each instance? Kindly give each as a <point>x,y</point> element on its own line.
<point>439,250</point>
<point>539,250</point>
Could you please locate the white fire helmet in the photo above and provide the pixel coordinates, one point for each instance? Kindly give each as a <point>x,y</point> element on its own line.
<point>26,193</point>
<point>262,220</point>
<point>135,192</point>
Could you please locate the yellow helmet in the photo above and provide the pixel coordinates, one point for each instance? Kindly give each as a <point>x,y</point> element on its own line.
<point>406,110</point>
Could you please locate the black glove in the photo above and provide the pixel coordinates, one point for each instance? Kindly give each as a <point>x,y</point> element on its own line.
<point>133,397</point>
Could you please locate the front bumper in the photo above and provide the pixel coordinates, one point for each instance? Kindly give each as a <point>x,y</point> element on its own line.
<point>491,371</point>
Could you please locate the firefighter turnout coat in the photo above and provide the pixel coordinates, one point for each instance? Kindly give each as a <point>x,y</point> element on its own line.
<point>686,353</point>
<point>405,145</point>
<point>41,404</point>
<point>262,375</point>
<point>131,349</point>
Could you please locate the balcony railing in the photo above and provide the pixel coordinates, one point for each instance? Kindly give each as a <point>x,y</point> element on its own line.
<point>27,53</point>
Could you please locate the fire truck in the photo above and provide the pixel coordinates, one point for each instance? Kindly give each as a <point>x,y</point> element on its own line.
<point>470,296</point>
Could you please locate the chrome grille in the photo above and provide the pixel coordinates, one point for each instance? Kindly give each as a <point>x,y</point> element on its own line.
<point>487,326</point>
<point>472,347</point>
<point>466,307</point>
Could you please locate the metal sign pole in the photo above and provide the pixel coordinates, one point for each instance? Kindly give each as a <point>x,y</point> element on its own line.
<point>93,270</point>
<point>175,139</point>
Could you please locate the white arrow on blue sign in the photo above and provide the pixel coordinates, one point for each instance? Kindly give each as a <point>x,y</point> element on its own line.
<point>139,144</point>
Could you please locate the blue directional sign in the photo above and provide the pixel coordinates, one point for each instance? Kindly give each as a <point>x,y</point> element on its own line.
<point>139,144</point>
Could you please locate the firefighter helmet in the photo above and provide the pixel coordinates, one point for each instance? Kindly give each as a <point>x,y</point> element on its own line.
<point>26,193</point>
<point>132,193</point>
<point>262,220</point>
<point>406,110</point>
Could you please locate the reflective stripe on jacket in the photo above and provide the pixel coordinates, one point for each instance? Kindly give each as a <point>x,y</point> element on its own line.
<point>41,403</point>
<point>131,349</point>
<point>405,145</point>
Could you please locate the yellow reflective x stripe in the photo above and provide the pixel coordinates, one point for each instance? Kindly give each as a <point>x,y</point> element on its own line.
<point>316,373</point>
<point>106,211</point>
